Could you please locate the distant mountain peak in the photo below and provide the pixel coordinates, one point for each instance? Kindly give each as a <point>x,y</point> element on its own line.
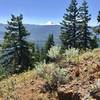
<point>49,23</point>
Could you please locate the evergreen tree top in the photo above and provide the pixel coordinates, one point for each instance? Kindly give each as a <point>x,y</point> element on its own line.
<point>98,18</point>
<point>83,11</point>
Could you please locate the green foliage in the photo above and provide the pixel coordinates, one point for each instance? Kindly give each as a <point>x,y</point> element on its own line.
<point>69,26</point>
<point>45,71</point>
<point>54,52</point>
<point>49,43</point>
<point>94,42</point>
<point>97,29</point>
<point>43,55</point>
<point>52,73</point>
<point>32,52</point>
<point>72,55</point>
<point>60,75</point>
<point>98,17</point>
<point>40,69</point>
<point>16,56</point>
<point>37,53</point>
<point>74,28</point>
<point>85,39</point>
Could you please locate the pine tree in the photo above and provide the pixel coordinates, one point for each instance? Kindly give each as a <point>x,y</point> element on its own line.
<point>16,55</point>
<point>97,30</point>
<point>94,43</point>
<point>98,18</point>
<point>43,54</point>
<point>37,54</point>
<point>49,43</point>
<point>32,51</point>
<point>69,26</point>
<point>85,38</point>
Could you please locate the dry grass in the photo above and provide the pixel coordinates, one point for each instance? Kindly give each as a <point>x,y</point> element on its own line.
<point>7,86</point>
<point>26,86</point>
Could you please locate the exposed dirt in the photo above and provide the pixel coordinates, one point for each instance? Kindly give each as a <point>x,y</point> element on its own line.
<point>83,82</point>
<point>32,90</point>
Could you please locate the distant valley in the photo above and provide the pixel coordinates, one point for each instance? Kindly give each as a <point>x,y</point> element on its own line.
<point>38,33</point>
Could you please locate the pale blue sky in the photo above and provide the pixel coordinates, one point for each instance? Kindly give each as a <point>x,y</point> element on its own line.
<point>42,11</point>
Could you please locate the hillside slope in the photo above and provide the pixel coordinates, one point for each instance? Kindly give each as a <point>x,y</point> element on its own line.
<point>83,81</point>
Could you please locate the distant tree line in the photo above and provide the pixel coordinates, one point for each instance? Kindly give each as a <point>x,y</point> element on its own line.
<point>18,55</point>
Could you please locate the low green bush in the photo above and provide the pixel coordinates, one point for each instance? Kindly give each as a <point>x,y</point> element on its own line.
<point>60,75</point>
<point>86,56</point>
<point>71,55</point>
<point>39,67</point>
<point>54,52</point>
<point>53,74</point>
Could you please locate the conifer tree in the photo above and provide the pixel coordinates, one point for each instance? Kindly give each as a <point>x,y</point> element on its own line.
<point>16,55</point>
<point>85,38</point>
<point>98,18</point>
<point>37,54</point>
<point>49,43</point>
<point>32,51</point>
<point>43,54</point>
<point>69,26</point>
<point>94,42</point>
<point>97,30</point>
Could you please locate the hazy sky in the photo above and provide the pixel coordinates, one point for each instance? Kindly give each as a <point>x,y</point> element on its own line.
<point>42,11</point>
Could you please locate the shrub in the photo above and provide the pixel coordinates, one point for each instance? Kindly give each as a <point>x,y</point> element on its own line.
<point>60,75</point>
<point>71,55</point>
<point>54,52</point>
<point>40,68</point>
<point>53,74</point>
<point>97,50</point>
<point>86,56</point>
<point>45,71</point>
